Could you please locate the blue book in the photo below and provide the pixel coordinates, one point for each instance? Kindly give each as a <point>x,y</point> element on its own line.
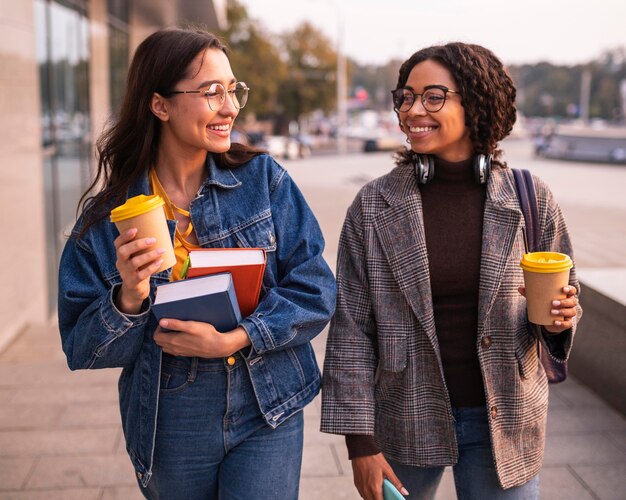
<point>210,299</point>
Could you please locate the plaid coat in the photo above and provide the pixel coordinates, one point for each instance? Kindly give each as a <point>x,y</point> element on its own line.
<point>382,370</point>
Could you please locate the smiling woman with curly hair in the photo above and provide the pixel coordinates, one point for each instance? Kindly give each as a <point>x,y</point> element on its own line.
<point>487,92</point>
<point>430,361</point>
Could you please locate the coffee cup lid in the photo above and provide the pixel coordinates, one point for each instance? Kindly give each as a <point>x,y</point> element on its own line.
<point>546,262</point>
<point>137,205</point>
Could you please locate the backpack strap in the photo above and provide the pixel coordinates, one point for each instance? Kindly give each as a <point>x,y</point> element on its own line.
<point>555,372</point>
<point>528,204</point>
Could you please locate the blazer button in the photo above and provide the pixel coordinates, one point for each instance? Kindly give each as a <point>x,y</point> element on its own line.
<point>486,341</point>
<point>494,412</point>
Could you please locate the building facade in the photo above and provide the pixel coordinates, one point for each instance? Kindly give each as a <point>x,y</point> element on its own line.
<point>63,65</point>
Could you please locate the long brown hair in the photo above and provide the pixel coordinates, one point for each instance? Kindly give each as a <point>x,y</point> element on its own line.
<point>128,147</point>
<point>487,92</point>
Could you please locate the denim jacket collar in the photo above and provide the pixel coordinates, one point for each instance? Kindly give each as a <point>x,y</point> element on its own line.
<point>222,177</point>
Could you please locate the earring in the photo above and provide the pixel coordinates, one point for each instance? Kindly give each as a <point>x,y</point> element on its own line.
<point>408,141</point>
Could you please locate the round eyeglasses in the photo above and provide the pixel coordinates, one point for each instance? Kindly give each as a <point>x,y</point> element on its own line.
<point>216,95</point>
<point>433,98</point>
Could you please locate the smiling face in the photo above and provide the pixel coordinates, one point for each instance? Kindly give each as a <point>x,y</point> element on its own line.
<point>443,133</point>
<point>188,121</point>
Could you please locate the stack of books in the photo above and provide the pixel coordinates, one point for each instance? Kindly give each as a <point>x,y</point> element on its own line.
<point>223,286</point>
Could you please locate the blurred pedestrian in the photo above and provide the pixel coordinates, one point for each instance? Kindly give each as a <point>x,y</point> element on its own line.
<point>429,361</point>
<point>206,414</point>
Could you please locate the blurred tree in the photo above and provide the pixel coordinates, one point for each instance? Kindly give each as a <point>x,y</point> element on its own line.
<point>614,60</point>
<point>312,65</point>
<point>256,60</point>
<point>606,100</point>
<point>548,90</point>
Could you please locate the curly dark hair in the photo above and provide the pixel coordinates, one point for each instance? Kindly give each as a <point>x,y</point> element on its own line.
<point>487,91</point>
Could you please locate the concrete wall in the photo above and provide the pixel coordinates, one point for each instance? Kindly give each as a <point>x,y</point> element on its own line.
<point>598,357</point>
<point>24,290</point>
<point>99,98</point>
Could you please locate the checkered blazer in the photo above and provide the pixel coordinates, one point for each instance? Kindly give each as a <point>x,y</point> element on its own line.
<point>382,371</point>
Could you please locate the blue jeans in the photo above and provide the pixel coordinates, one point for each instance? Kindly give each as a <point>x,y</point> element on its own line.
<point>212,441</point>
<point>474,474</point>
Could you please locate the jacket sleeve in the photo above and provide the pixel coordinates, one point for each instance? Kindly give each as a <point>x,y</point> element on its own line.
<point>555,238</point>
<point>298,308</point>
<point>94,333</point>
<point>348,405</point>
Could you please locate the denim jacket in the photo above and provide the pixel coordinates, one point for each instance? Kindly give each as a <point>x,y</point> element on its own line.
<point>255,205</point>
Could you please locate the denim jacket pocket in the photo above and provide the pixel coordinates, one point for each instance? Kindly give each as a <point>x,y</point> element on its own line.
<point>257,232</point>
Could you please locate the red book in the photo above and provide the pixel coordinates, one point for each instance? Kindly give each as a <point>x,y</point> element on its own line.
<point>247,266</point>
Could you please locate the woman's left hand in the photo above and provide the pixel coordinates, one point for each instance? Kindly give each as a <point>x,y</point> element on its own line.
<point>561,308</point>
<point>194,338</point>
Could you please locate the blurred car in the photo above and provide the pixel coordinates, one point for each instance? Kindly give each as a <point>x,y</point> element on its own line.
<point>287,148</point>
<point>383,142</point>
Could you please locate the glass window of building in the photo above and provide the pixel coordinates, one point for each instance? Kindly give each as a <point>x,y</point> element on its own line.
<point>118,50</point>
<point>62,30</point>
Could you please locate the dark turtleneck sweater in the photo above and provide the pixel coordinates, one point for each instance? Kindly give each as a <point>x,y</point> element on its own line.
<point>453,206</point>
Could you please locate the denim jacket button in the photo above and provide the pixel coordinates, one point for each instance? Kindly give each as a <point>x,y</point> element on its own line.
<point>139,475</point>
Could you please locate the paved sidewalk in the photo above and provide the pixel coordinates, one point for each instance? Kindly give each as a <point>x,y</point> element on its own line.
<point>60,434</point>
<point>60,437</point>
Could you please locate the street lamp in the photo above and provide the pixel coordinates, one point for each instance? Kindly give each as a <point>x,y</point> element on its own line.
<point>342,105</point>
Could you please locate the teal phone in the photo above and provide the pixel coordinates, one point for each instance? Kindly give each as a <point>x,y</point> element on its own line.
<point>390,492</point>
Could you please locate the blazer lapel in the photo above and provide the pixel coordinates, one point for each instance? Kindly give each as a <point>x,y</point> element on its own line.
<point>400,228</point>
<point>500,229</point>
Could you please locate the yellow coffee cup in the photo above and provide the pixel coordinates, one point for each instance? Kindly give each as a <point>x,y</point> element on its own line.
<point>545,275</point>
<point>147,215</point>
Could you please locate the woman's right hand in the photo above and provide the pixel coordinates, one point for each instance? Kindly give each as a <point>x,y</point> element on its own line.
<point>369,472</point>
<point>135,270</point>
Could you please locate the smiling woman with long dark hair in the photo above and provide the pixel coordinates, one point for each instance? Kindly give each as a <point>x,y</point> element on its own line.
<point>206,414</point>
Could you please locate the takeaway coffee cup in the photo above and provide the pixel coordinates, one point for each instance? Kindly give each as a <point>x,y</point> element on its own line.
<point>545,275</point>
<point>147,215</point>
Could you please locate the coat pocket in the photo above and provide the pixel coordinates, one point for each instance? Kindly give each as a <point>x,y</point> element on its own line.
<point>527,355</point>
<point>392,352</point>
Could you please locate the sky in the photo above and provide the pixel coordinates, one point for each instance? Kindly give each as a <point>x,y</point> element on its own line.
<point>528,31</point>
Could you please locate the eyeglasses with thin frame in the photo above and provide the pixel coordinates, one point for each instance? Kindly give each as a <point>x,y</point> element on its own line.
<point>433,98</point>
<point>216,95</point>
